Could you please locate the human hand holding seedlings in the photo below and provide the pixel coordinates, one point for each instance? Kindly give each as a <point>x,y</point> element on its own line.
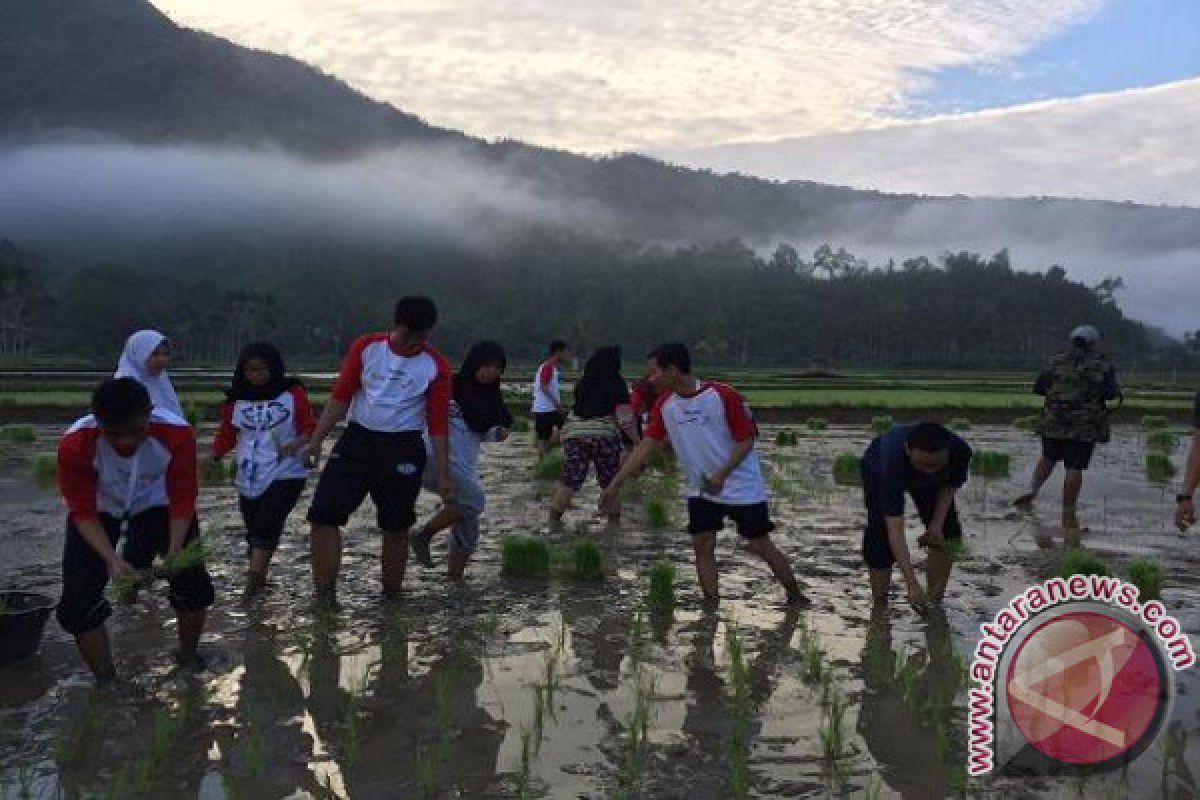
<point>610,496</point>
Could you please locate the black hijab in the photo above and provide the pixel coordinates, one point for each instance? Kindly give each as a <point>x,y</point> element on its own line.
<point>279,382</point>
<point>481,404</point>
<point>601,388</point>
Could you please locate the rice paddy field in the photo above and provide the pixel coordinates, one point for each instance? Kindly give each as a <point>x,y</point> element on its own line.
<point>579,662</point>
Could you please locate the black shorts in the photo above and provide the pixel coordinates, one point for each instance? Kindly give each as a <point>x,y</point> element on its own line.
<point>387,466</point>
<point>83,606</point>
<point>544,423</point>
<point>705,516</point>
<point>876,549</point>
<point>1073,453</point>
<point>266,515</point>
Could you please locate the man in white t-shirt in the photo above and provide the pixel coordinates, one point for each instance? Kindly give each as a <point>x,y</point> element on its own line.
<point>712,433</point>
<point>549,413</point>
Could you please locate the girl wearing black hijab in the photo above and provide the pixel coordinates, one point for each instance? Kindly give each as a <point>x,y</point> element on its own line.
<point>477,415</point>
<point>593,435</point>
<point>266,418</point>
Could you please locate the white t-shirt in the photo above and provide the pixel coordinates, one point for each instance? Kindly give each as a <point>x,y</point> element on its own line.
<point>704,429</point>
<point>256,430</point>
<point>389,392</point>
<point>546,399</point>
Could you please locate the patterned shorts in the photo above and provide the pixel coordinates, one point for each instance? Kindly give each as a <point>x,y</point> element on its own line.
<point>603,451</point>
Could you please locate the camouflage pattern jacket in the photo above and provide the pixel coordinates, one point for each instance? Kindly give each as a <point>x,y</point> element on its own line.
<point>1076,385</point>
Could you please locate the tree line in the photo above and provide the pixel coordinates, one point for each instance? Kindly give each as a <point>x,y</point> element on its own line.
<point>733,306</point>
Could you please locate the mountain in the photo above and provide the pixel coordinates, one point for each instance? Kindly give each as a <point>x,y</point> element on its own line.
<point>104,71</point>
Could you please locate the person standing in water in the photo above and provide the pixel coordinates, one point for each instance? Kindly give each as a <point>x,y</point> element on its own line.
<point>1076,384</point>
<point>1185,505</point>
<point>593,436</point>
<point>712,433</point>
<point>929,464</point>
<point>393,387</point>
<point>266,418</point>
<point>127,470</point>
<point>549,414</point>
<point>146,356</point>
<point>477,415</point>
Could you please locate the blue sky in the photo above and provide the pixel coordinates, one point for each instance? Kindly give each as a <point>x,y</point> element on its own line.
<point>1126,44</point>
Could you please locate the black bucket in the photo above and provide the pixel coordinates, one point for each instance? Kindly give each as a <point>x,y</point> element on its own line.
<point>22,620</point>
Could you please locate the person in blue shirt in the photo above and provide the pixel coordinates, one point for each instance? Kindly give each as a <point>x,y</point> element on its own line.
<point>929,464</point>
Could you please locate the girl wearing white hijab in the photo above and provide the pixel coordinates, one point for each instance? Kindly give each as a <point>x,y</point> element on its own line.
<point>145,358</point>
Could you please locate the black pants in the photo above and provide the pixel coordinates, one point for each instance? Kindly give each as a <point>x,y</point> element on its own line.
<point>266,516</point>
<point>387,466</point>
<point>83,607</point>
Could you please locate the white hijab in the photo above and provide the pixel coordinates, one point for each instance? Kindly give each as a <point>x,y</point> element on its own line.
<point>138,349</point>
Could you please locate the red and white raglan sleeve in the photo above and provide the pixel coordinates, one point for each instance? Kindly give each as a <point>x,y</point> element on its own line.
<point>349,379</point>
<point>437,397</point>
<point>77,474</point>
<point>737,413</point>
<point>655,428</point>
<point>225,440</point>
<point>545,375</point>
<point>182,482</point>
<point>306,421</point>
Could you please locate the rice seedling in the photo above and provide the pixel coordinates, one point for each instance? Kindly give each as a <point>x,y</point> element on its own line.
<point>1162,441</point>
<point>882,424</point>
<point>660,460</point>
<point>786,439</point>
<point>524,556</point>
<point>991,464</point>
<point>17,434</point>
<point>1078,561</point>
<point>636,730</point>
<point>739,745</point>
<point>45,467</point>
<point>846,471</point>
<point>1147,576</point>
<point>549,466</point>
<point>1154,422</point>
<point>813,662</point>
<point>874,790</point>
<point>525,776</point>
<point>817,424</point>
<point>661,579</point>
<point>192,554</point>
<point>1028,423</point>
<point>218,472</point>
<point>193,412</point>
<point>833,731</point>
<point>658,511</point>
<point>587,562</point>
<point>1159,468</point>
<point>520,425</point>
<point>960,424</point>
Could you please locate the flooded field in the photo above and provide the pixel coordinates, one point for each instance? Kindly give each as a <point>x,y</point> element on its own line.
<point>568,689</point>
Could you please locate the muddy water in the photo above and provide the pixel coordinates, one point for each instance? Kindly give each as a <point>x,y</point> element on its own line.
<point>543,688</point>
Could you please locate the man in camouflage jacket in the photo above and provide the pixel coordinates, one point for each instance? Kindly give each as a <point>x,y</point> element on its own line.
<point>1077,385</point>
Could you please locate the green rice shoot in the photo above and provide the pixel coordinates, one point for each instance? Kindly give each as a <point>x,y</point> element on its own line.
<point>1162,441</point>
<point>1154,422</point>
<point>817,424</point>
<point>1079,561</point>
<point>1147,576</point>
<point>786,439</point>
<point>960,424</point>
<point>882,424</point>
<point>661,579</point>
<point>17,434</point>
<point>218,472</point>
<point>1159,468</point>
<point>45,466</point>
<point>587,563</point>
<point>550,466</point>
<point>991,464</point>
<point>520,425</point>
<point>846,470</point>
<point>658,511</point>
<point>524,556</point>
<point>1029,423</point>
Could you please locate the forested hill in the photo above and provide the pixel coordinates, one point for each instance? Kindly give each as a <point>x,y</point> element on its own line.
<point>732,306</point>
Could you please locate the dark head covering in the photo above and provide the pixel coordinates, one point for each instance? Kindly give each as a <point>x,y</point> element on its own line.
<point>481,404</point>
<point>601,388</point>
<point>278,383</point>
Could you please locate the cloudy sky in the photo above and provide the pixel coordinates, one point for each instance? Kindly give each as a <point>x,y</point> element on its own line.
<point>1090,98</point>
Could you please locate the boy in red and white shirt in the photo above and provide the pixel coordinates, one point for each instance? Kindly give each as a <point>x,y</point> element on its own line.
<point>712,433</point>
<point>549,413</point>
<point>392,386</point>
<point>127,470</point>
